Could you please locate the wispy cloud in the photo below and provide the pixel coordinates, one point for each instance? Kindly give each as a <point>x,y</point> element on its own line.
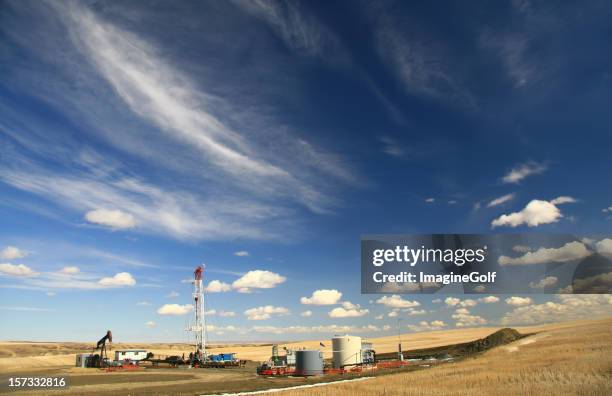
<point>168,118</point>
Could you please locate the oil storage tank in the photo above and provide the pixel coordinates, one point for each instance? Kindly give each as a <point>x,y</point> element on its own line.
<point>308,362</point>
<point>346,351</point>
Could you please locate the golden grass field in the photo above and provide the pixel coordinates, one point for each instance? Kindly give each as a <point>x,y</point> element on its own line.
<point>563,358</point>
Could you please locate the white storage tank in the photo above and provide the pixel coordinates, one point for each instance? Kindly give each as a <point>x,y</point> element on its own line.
<point>346,351</point>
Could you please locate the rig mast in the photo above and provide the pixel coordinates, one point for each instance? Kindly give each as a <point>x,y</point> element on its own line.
<point>199,325</point>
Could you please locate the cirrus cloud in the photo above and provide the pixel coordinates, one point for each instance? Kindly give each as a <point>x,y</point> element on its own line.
<point>115,219</point>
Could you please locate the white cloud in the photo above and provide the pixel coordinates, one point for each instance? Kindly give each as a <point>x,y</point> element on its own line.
<point>349,305</point>
<point>216,286</point>
<point>569,252</point>
<point>608,209</point>
<point>258,279</point>
<point>19,270</point>
<point>436,300</point>
<point>452,201</point>
<point>172,294</point>
<point>518,301</point>
<point>327,329</point>
<point>427,326</point>
<point>51,294</point>
<point>143,303</point>
<point>489,299</point>
<point>175,309</point>
<point>12,253</point>
<point>501,200</point>
<point>115,219</point>
<point>70,270</point>
<point>241,253</point>
<point>414,312</point>
<point>341,312</point>
<point>210,312</point>
<point>604,247</point>
<point>536,212</point>
<point>567,307</point>
<point>322,297</point>
<point>519,173</point>
<point>563,200</point>
<point>430,200</point>
<point>480,288</point>
<point>544,282</point>
<point>521,248</point>
<point>227,314</point>
<point>601,283</point>
<point>306,314</point>
<point>265,312</point>
<point>452,301</point>
<point>393,314</point>
<point>379,317</point>
<point>118,280</point>
<point>396,301</point>
<point>465,319</point>
<point>150,324</point>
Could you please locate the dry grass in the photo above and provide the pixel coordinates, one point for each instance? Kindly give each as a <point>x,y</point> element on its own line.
<point>572,359</point>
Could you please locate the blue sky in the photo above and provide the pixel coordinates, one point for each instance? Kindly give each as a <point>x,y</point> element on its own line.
<point>138,140</point>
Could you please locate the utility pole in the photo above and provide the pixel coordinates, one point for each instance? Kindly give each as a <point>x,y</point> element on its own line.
<point>400,355</point>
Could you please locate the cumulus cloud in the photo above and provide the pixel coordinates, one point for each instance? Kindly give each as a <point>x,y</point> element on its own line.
<point>150,324</point>
<point>427,326</point>
<point>566,307</point>
<point>569,252</point>
<point>608,209</point>
<point>241,253</point>
<point>258,279</point>
<point>601,283</point>
<point>12,253</point>
<point>18,270</point>
<point>306,314</point>
<point>414,312</point>
<point>216,286</point>
<point>112,218</point>
<point>265,312</point>
<point>518,301</point>
<point>396,301</point>
<point>453,302</point>
<point>322,297</point>
<point>172,294</point>
<point>175,309</point>
<point>604,247</point>
<point>352,311</point>
<point>143,303</point>
<point>536,212</point>
<point>70,270</point>
<point>118,280</point>
<point>465,319</point>
<point>521,248</point>
<point>393,314</point>
<point>544,282</point>
<point>327,329</point>
<point>489,299</point>
<point>522,171</point>
<point>501,200</point>
<point>430,200</point>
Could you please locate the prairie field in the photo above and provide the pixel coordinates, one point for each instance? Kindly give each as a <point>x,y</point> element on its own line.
<point>569,358</point>
<point>563,359</point>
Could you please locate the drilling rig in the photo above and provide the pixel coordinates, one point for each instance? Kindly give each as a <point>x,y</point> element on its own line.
<point>199,325</point>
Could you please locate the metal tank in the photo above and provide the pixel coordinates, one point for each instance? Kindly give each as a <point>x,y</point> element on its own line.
<point>346,351</point>
<point>308,362</point>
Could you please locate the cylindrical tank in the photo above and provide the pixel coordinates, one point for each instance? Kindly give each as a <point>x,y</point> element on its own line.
<point>346,351</point>
<point>308,362</point>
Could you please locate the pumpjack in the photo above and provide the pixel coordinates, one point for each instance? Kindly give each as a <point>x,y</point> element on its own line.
<point>99,360</point>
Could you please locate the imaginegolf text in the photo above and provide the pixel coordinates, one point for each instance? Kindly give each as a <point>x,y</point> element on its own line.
<point>408,277</point>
